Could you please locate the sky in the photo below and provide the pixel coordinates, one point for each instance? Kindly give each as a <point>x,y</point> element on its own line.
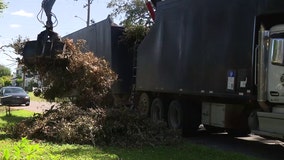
<point>20,19</point>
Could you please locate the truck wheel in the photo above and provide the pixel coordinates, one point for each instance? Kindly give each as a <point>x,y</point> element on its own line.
<point>175,115</point>
<point>143,104</point>
<point>157,110</point>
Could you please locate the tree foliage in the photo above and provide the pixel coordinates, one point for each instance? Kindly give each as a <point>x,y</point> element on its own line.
<point>5,81</point>
<point>134,12</point>
<point>133,36</point>
<point>2,6</point>
<point>18,44</point>
<point>4,71</point>
<point>5,76</point>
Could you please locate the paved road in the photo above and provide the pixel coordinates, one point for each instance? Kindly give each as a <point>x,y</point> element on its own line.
<point>37,107</point>
<point>260,147</point>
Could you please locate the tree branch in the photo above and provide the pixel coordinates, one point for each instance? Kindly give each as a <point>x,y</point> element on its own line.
<point>3,50</point>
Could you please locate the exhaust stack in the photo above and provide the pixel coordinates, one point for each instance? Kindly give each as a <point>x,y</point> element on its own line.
<point>262,58</point>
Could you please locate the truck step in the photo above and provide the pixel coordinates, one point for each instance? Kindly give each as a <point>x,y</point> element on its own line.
<point>271,122</point>
<point>269,134</point>
<point>278,109</point>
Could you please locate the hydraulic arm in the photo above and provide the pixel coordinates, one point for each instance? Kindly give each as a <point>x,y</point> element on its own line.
<point>47,6</point>
<point>48,44</point>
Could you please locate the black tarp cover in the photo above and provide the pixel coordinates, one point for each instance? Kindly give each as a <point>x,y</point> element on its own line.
<point>103,39</point>
<point>202,47</point>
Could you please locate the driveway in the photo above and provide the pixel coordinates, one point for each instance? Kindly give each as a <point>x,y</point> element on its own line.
<point>37,107</point>
<point>261,147</point>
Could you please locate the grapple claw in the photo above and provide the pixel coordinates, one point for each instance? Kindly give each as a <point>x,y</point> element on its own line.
<point>42,48</point>
<point>47,45</point>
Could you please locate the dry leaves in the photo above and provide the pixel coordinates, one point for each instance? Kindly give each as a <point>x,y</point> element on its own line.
<point>83,77</point>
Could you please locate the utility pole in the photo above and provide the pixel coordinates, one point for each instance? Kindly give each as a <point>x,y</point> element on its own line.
<point>88,6</point>
<point>88,12</point>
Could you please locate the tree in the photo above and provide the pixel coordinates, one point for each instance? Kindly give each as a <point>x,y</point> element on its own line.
<point>18,46</point>
<point>2,6</point>
<point>134,12</point>
<point>5,81</point>
<point>4,71</point>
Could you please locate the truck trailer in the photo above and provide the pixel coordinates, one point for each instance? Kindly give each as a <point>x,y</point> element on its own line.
<point>217,63</point>
<point>103,39</point>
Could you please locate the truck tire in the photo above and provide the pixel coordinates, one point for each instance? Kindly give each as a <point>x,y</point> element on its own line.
<point>157,110</point>
<point>143,104</point>
<point>175,116</point>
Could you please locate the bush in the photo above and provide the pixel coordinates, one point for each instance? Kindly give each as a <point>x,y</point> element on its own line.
<point>24,149</point>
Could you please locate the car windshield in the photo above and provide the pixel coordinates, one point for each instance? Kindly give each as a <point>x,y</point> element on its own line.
<point>14,90</point>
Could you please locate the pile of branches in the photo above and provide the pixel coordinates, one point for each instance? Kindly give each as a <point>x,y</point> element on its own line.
<point>83,77</point>
<point>96,126</point>
<point>89,118</point>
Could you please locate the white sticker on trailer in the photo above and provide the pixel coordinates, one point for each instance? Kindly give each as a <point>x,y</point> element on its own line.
<point>243,84</point>
<point>231,83</point>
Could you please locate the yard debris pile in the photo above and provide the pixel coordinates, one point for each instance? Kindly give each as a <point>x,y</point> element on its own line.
<point>96,126</point>
<point>89,118</point>
<point>82,77</point>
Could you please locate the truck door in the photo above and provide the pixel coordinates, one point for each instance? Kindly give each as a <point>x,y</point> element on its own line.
<point>276,65</point>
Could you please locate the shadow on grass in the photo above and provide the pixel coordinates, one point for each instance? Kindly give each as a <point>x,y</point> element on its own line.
<point>7,121</point>
<point>79,151</point>
<point>12,119</point>
<point>4,136</point>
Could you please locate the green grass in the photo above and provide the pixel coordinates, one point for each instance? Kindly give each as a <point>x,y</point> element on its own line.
<point>73,152</point>
<point>34,98</point>
<point>40,99</point>
<point>186,151</point>
<point>16,116</point>
<point>26,149</point>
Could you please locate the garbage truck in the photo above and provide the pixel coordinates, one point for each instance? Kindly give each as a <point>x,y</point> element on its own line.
<point>218,63</point>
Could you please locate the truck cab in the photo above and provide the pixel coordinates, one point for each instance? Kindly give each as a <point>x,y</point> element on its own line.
<point>271,82</point>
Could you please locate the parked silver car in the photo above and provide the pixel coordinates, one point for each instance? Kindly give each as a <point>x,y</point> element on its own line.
<point>14,96</point>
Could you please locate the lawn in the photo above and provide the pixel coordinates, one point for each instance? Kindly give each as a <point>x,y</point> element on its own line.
<point>27,149</point>
<point>34,98</point>
<point>17,115</point>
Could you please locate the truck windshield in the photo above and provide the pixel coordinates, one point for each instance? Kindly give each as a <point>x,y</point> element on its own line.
<point>277,51</point>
